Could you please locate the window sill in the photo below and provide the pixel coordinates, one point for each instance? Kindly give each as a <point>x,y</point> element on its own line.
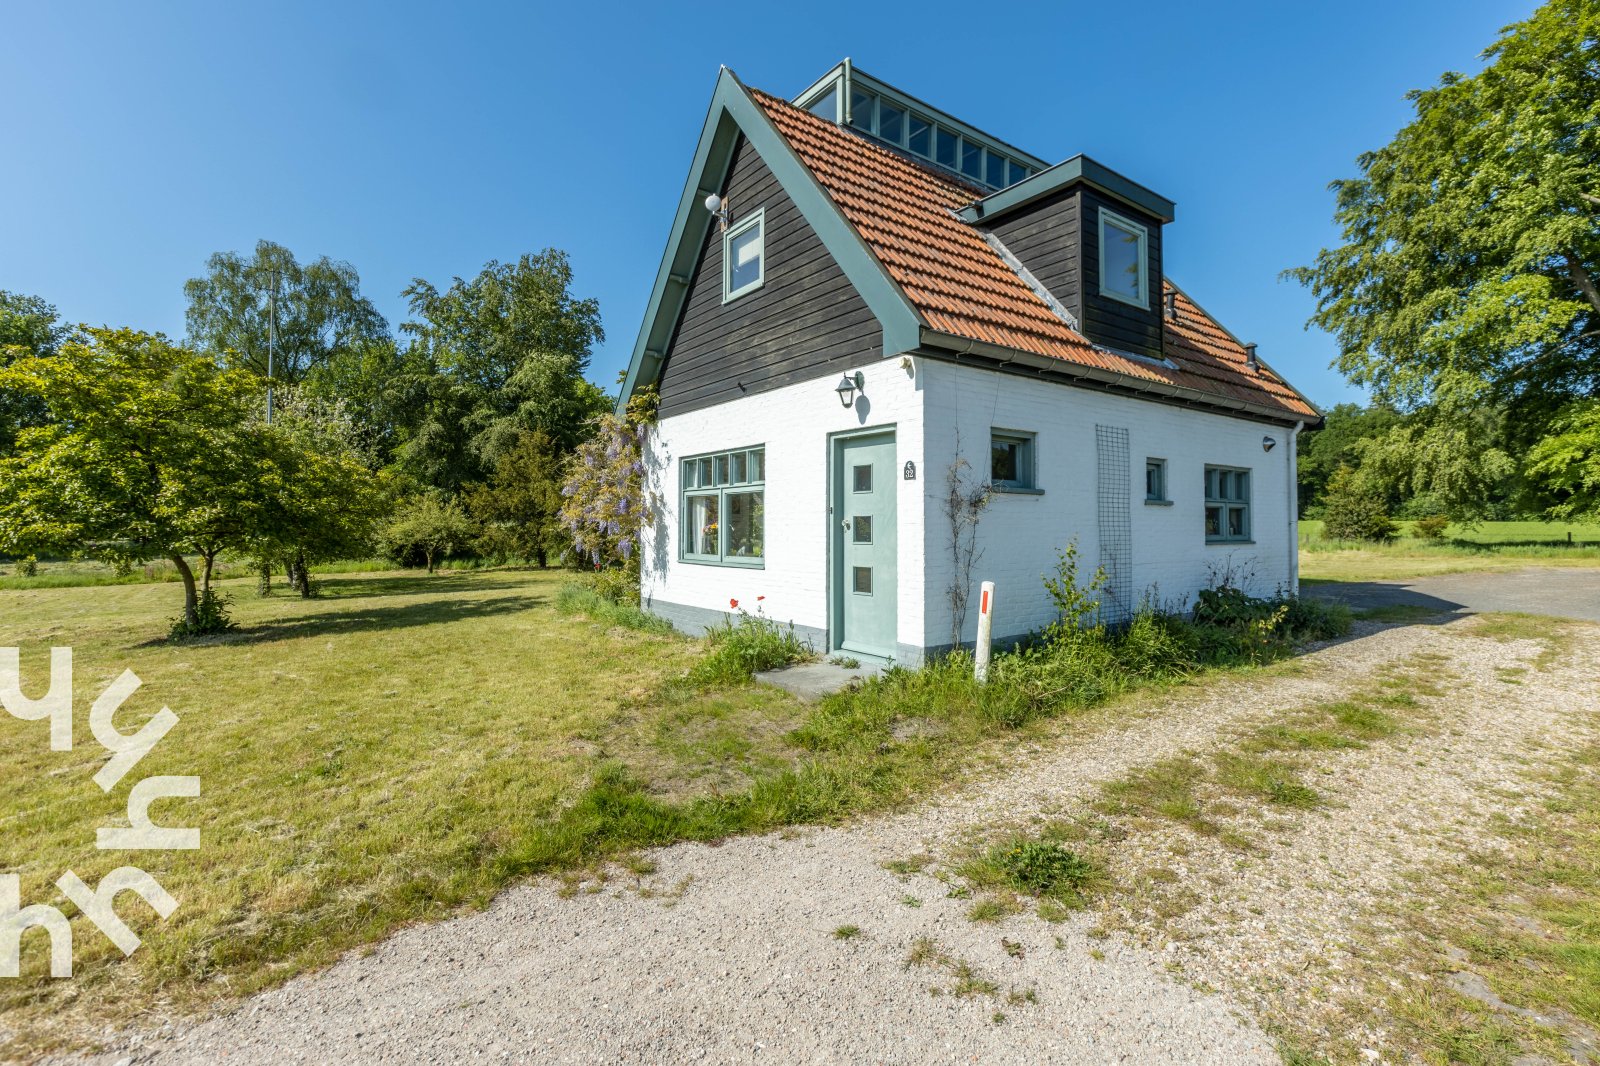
<point>747,564</point>
<point>1158,503</point>
<point>1131,301</point>
<point>1017,490</point>
<point>1227,542</point>
<point>729,297</point>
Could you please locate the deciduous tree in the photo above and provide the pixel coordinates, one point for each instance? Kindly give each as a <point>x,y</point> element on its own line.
<point>325,501</point>
<point>519,508</point>
<point>318,311</point>
<point>1467,276</point>
<point>143,455</point>
<point>28,327</point>
<point>515,344</point>
<point>430,526</point>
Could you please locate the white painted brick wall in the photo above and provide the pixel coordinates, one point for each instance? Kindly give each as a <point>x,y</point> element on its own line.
<point>793,423</point>
<point>1020,534</point>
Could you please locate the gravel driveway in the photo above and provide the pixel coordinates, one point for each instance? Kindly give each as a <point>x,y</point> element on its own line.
<point>1560,592</point>
<point>727,953</point>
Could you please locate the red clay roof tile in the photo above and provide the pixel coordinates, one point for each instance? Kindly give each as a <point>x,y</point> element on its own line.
<point>959,284</point>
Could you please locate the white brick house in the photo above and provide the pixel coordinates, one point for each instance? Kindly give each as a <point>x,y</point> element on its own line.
<point>861,291</point>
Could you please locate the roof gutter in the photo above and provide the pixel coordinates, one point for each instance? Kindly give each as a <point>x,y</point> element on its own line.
<point>1107,379</point>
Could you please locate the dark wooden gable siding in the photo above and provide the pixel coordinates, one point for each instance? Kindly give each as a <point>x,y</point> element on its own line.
<point>806,320</point>
<point>1058,240</point>
<point>1044,238</point>
<point>1111,322</point>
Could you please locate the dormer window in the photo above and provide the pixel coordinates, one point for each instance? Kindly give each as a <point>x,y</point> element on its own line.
<point>1124,270</point>
<point>744,256</point>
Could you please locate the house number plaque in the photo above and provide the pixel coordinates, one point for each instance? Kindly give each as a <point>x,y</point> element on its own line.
<point>910,473</point>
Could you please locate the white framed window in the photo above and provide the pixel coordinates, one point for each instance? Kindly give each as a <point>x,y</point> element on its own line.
<point>1227,504</point>
<point>744,256</point>
<point>1155,481</point>
<point>1124,262</point>
<point>1011,461</point>
<point>723,507</point>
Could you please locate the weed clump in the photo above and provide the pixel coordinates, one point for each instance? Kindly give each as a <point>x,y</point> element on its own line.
<point>738,650</point>
<point>1043,868</point>
<point>595,601</point>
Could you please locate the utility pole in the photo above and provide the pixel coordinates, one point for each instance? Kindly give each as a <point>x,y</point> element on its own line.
<point>272,337</point>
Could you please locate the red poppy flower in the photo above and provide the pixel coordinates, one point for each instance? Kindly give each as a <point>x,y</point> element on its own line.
<point>760,598</point>
<point>734,604</point>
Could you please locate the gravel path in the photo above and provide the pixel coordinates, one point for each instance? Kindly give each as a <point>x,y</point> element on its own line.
<point>727,953</point>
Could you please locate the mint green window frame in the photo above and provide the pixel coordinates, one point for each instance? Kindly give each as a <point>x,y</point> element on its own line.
<point>729,488</point>
<point>1022,447</point>
<point>1133,229</point>
<point>1227,513</point>
<point>1155,481</point>
<point>757,221</point>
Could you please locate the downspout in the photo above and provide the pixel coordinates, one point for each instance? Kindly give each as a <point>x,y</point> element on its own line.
<point>1293,496</point>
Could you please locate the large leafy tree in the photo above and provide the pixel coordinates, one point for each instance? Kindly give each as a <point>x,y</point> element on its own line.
<point>519,507</point>
<point>1338,443</point>
<point>314,311</point>
<point>324,500</point>
<point>514,344</point>
<point>374,383</point>
<point>151,450</point>
<point>142,456</point>
<point>1466,283</point>
<point>28,327</point>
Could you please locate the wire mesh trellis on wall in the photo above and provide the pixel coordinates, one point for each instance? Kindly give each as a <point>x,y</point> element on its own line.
<point>1112,499</point>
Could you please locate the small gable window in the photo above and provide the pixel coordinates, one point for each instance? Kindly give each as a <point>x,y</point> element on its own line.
<point>744,256</point>
<point>1123,263</point>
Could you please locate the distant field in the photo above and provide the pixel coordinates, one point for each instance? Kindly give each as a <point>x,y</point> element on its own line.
<point>1486,546</point>
<point>1490,532</point>
<point>83,573</point>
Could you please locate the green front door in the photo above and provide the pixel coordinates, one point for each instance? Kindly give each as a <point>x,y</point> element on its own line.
<point>864,583</point>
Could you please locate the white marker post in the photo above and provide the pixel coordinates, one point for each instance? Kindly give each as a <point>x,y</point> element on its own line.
<point>980,664</point>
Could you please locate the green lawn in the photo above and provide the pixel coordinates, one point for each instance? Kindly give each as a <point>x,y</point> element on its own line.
<point>406,746</point>
<point>367,759</point>
<point>1487,546</point>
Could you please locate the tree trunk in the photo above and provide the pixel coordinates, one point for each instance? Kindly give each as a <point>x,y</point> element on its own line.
<point>205,575</point>
<point>429,553</point>
<point>1581,278</point>
<point>191,600</point>
<point>302,575</point>
<point>264,580</point>
<point>542,558</point>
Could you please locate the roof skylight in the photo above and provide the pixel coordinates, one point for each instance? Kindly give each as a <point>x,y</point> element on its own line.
<point>863,103</point>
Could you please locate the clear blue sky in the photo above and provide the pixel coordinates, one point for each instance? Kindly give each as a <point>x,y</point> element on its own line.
<point>424,140</point>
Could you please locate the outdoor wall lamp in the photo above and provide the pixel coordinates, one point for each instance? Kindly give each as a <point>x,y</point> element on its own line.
<point>848,386</point>
<point>1267,444</point>
<point>720,209</point>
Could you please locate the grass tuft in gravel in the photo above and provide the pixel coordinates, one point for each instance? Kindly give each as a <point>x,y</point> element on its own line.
<point>1266,765</point>
<point>1041,868</point>
<point>1523,919</point>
